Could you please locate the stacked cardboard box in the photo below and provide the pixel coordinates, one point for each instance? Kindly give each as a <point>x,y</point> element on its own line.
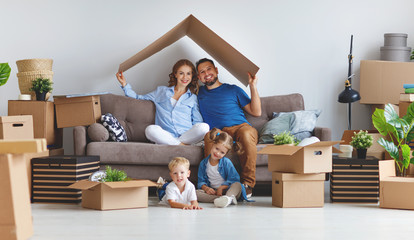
<point>354,180</point>
<point>77,111</point>
<point>51,176</point>
<point>299,173</point>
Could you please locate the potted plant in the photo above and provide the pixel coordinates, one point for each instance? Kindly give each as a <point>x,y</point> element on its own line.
<point>361,141</point>
<point>4,73</point>
<point>284,138</point>
<point>41,86</point>
<point>400,131</point>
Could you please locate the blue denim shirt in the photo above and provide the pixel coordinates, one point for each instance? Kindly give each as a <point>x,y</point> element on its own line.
<point>175,120</point>
<point>226,170</point>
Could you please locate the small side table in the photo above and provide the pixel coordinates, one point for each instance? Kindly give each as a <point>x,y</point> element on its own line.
<point>354,180</point>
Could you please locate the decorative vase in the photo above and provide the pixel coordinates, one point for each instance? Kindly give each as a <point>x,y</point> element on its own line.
<point>41,96</point>
<point>362,153</point>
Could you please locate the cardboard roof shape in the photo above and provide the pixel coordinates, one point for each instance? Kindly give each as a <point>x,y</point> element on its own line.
<point>231,59</point>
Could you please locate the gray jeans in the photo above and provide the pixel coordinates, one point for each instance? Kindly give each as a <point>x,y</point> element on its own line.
<point>234,189</point>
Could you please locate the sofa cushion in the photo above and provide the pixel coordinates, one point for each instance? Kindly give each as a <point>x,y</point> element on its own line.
<point>303,123</point>
<point>275,126</point>
<point>98,133</point>
<point>115,129</point>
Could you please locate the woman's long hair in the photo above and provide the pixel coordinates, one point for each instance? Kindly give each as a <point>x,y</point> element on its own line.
<point>193,85</point>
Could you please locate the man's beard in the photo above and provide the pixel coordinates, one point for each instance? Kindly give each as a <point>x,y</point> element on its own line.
<point>211,82</point>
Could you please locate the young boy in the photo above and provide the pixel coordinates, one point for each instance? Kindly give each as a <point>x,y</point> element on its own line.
<point>180,193</point>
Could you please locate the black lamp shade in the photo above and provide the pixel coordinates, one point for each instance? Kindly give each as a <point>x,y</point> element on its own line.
<point>348,95</point>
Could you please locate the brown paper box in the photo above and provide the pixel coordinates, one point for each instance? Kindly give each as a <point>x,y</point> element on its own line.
<point>23,146</point>
<point>381,82</point>
<point>231,59</point>
<point>16,127</point>
<point>114,195</point>
<point>43,113</point>
<point>77,111</point>
<point>297,190</point>
<point>395,192</point>
<point>314,158</point>
<point>403,106</point>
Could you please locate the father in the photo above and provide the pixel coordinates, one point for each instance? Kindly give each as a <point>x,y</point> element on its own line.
<point>221,106</point>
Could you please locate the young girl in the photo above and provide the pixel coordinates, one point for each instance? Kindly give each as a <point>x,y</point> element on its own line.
<point>177,118</point>
<point>218,180</point>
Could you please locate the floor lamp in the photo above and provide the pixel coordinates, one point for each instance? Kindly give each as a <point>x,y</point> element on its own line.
<point>349,95</point>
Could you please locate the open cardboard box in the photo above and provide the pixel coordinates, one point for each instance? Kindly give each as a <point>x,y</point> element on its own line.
<point>395,192</point>
<point>291,190</point>
<point>375,150</point>
<point>231,59</point>
<point>313,158</point>
<point>114,195</point>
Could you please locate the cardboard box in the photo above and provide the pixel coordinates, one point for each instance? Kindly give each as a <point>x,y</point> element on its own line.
<point>56,151</point>
<point>231,59</point>
<point>375,150</point>
<point>114,195</point>
<point>15,211</point>
<point>403,106</point>
<point>51,176</point>
<point>29,157</point>
<point>297,190</point>
<point>381,82</point>
<point>395,192</point>
<point>314,158</point>
<point>77,111</point>
<point>16,127</point>
<point>44,123</point>
<point>23,146</point>
<point>354,180</point>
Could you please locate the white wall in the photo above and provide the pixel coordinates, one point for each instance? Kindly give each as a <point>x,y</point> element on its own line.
<point>300,46</point>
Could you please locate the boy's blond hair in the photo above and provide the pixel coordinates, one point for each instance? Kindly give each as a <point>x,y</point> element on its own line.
<point>178,161</point>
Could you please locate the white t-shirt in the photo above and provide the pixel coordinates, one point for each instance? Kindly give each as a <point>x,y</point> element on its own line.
<point>216,180</point>
<point>173,193</point>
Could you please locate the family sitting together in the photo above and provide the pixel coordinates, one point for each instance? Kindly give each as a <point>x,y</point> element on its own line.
<point>184,115</point>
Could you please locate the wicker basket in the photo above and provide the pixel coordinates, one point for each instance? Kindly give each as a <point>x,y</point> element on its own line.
<point>26,78</point>
<point>37,64</point>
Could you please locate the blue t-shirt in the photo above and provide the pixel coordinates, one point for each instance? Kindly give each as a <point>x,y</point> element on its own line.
<point>223,106</point>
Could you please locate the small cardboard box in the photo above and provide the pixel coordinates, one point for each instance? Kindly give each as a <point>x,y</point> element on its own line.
<point>15,210</point>
<point>44,123</point>
<point>354,180</point>
<point>395,192</point>
<point>403,106</point>
<point>236,63</point>
<point>16,127</point>
<point>291,190</point>
<point>313,158</point>
<point>381,82</point>
<point>375,150</point>
<point>51,176</point>
<point>77,111</point>
<point>114,195</point>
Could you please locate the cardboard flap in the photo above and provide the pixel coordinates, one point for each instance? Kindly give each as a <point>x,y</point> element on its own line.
<point>84,184</point>
<point>280,150</point>
<point>16,119</point>
<point>323,144</point>
<point>62,99</point>
<point>386,169</point>
<point>231,59</point>
<point>131,184</point>
<point>23,146</point>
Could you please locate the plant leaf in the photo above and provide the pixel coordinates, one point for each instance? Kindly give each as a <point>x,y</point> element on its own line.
<point>379,121</point>
<point>405,152</point>
<point>4,73</point>
<point>390,148</point>
<point>391,116</point>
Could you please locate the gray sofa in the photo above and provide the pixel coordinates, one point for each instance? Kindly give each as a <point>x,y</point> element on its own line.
<point>144,160</point>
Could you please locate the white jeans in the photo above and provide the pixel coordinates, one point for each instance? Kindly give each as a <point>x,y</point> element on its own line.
<point>159,136</point>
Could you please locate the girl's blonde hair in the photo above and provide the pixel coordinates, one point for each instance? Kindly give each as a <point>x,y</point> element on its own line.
<point>224,138</point>
<point>178,161</point>
<point>193,85</point>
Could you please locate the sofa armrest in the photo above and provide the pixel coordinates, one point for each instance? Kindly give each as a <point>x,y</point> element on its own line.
<point>324,134</point>
<point>79,140</point>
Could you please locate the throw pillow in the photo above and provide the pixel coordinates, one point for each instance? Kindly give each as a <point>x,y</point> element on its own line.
<point>115,129</point>
<point>304,122</point>
<point>275,126</point>
<point>98,133</point>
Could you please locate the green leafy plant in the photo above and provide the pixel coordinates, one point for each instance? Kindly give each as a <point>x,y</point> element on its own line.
<point>361,140</point>
<point>114,175</point>
<point>399,130</point>
<point>284,138</point>
<point>412,56</point>
<point>4,73</point>
<point>41,85</point>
